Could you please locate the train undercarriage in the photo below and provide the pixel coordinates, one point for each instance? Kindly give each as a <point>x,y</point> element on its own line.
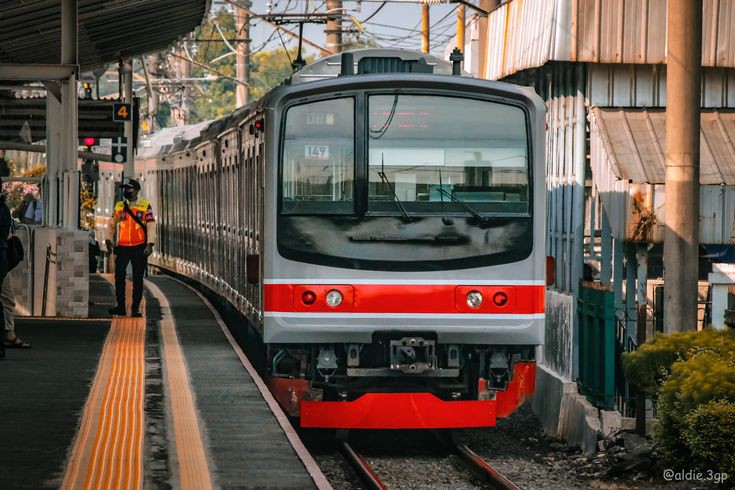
<point>400,380</point>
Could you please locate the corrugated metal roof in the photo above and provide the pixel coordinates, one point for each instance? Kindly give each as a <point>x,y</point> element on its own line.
<point>528,33</point>
<point>627,156</point>
<point>635,140</point>
<point>30,30</point>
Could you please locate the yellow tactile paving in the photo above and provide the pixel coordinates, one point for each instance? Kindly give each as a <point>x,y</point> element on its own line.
<point>108,451</point>
<point>193,468</point>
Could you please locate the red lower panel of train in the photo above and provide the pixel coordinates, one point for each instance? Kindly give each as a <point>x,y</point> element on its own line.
<point>406,410</point>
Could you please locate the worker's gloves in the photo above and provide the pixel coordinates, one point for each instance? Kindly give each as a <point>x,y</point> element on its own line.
<point>148,250</point>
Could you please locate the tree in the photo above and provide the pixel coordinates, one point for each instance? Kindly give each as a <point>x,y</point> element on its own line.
<point>217,98</point>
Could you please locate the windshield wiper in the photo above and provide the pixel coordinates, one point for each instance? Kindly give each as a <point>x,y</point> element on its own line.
<point>398,202</point>
<point>464,205</point>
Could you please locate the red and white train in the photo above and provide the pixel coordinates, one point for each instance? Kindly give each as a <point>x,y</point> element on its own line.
<point>380,223</point>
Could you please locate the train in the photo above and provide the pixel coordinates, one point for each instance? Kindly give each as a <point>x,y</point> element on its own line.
<point>378,220</point>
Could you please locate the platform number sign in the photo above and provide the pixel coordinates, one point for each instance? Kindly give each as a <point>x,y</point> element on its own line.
<point>122,111</point>
<point>119,149</point>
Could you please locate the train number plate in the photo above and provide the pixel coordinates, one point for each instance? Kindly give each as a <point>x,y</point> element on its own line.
<point>316,152</point>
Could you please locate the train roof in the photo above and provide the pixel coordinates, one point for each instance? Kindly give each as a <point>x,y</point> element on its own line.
<point>373,60</point>
<point>364,61</point>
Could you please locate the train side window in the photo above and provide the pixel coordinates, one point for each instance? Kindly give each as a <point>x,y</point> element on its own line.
<point>318,161</point>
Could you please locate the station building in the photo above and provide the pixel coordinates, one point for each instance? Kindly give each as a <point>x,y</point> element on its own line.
<point>600,65</point>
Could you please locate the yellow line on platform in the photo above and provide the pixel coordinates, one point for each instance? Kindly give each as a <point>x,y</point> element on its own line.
<point>193,469</point>
<point>108,450</point>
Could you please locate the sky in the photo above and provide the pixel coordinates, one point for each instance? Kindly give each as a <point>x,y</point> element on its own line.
<point>397,23</point>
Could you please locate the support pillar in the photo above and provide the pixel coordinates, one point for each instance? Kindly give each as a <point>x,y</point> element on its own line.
<point>126,70</point>
<point>681,208</point>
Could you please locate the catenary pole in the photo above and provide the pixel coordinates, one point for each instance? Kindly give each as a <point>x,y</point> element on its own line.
<point>242,62</point>
<point>334,26</point>
<point>460,26</point>
<point>681,207</point>
<point>425,28</point>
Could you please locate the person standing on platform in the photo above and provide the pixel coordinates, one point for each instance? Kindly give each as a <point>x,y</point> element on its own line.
<point>134,234</point>
<point>6,223</point>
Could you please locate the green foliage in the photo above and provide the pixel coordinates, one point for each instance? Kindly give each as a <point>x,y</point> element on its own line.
<point>709,432</point>
<point>269,69</point>
<point>217,98</point>
<point>692,375</point>
<point>648,367</point>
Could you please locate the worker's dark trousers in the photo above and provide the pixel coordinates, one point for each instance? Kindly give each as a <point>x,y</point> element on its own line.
<point>124,256</point>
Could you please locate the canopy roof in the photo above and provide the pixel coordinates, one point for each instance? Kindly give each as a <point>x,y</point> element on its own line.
<point>30,30</point>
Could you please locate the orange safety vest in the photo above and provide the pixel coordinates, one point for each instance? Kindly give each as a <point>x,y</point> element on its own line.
<point>130,233</point>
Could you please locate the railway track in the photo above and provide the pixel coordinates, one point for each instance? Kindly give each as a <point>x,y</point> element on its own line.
<point>475,463</point>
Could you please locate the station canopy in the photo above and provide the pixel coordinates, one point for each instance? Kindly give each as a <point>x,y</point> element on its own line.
<point>30,30</point>
<point>628,160</point>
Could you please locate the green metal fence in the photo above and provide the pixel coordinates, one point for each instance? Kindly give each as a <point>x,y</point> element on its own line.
<point>597,356</point>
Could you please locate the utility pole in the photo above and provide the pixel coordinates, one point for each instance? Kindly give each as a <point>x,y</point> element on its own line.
<point>461,21</point>
<point>334,26</point>
<point>153,96</point>
<point>242,61</point>
<point>180,112</point>
<point>681,208</point>
<point>425,28</point>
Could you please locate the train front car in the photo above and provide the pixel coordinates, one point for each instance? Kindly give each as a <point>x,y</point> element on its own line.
<point>404,273</point>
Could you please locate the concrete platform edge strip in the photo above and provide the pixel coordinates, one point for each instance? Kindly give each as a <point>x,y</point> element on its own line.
<point>193,467</point>
<point>109,444</point>
<point>306,458</point>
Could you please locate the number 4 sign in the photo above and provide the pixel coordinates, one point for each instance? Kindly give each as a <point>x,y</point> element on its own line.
<point>121,111</point>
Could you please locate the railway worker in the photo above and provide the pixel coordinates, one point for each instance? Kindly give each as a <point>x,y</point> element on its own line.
<point>132,222</point>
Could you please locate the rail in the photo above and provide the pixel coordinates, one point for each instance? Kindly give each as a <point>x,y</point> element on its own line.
<point>490,476</point>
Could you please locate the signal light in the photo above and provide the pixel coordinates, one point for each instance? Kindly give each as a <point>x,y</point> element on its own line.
<point>257,126</point>
<point>308,298</point>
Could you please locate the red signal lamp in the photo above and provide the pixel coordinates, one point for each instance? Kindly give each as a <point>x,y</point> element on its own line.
<point>308,298</point>
<point>89,141</point>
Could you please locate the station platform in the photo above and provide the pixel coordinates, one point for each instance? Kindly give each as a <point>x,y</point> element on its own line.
<point>164,401</point>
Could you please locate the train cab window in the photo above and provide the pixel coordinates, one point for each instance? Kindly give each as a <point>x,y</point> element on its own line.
<point>319,158</point>
<point>441,155</point>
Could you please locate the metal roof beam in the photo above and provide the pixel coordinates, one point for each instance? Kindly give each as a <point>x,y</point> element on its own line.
<point>36,72</point>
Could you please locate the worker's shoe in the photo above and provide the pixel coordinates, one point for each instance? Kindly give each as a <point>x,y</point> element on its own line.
<point>118,310</point>
<point>136,313</point>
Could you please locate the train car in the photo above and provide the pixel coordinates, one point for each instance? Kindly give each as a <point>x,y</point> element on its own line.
<point>379,222</point>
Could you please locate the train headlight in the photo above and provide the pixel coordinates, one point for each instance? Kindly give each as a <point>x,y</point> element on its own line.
<point>334,298</point>
<point>474,299</point>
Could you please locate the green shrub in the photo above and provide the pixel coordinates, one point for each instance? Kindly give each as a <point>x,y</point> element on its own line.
<point>705,377</point>
<point>648,367</point>
<point>710,434</point>
<point>692,377</point>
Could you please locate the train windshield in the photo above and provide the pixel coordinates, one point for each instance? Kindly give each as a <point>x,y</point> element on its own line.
<point>437,155</point>
<point>410,182</point>
<point>319,157</point>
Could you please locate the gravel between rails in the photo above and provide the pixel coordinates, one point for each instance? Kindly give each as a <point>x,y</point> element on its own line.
<point>412,460</point>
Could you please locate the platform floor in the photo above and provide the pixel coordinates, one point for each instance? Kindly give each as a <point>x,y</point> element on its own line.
<point>165,401</point>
